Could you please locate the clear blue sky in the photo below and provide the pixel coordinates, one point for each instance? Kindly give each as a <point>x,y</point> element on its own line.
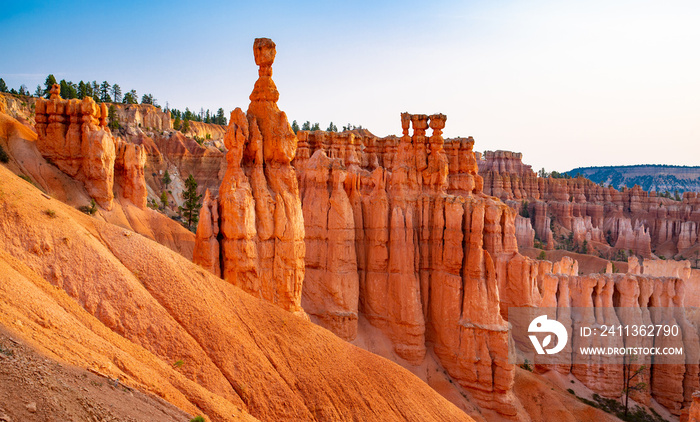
<point>566,83</point>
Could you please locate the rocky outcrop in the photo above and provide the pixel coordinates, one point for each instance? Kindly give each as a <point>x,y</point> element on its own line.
<point>72,134</point>
<point>260,217</point>
<point>331,291</point>
<point>617,299</point>
<point>399,231</point>
<point>129,168</point>
<point>145,117</point>
<point>207,250</point>
<point>628,220</point>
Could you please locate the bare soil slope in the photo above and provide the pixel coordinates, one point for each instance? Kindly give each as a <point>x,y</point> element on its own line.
<point>98,296</point>
<point>33,387</point>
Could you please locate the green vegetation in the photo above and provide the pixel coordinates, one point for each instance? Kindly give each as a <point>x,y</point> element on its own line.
<point>113,119</point>
<point>131,97</point>
<point>164,199</point>
<point>4,158</point>
<point>3,85</point>
<point>178,363</point>
<point>542,256</point>
<point>659,178</point>
<point>202,116</point>
<point>193,202</point>
<point>51,213</point>
<point>295,125</point>
<point>628,376</point>
<point>166,179</point>
<point>612,406</point>
<point>198,419</point>
<point>526,365</point>
<point>524,209</point>
<point>28,179</point>
<point>91,209</point>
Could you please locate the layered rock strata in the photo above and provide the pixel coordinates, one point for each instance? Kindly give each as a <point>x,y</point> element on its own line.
<point>260,227</point>
<point>626,220</point>
<point>638,298</point>
<point>73,135</point>
<point>388,237</point>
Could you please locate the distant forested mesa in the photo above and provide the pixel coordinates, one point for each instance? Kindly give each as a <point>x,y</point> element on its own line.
<point>111,93</point>
<point>666,180</point>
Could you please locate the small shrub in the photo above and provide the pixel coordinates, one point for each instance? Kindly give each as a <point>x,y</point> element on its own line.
<point>571,391</point>
<point>4,158</point>
<point>542,256</point>
<point>526,366</point>
<point>50,213</point>
<point>89,210</point>
<point>524,209</point>
<point>178,363</point>
<point>197,419</point>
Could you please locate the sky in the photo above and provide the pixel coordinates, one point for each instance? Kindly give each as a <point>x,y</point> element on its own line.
<point>567,83</point>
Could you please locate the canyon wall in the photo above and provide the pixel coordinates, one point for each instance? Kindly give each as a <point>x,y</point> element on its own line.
<point>645,296</point>
<point>386,239</point>
<point>628,220</point>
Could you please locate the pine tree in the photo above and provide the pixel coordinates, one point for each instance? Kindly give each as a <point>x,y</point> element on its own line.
<point>82,90</point>
<point>131,97</point>
<point>50,80</point>
<point>315,127</point>
<point>306,125</point>
<point>177,123</point>
<point>23,90</point>
<point>3,85</point>
<point>113,119</point>
<point>332,128</point>
<point>95,91</point>
<point>220,117</point>
<point>193,202</point>
<point>116,93</point>
<point>72,91</point>
<point>186,125</point>
<point>39,91</point>
<point>64,88</point>
<point>295,127</point>
<point>147,99</point>
<point>164,199</point>
<point>207,119</point>
<point>104,92</point>
<point>166,179</point>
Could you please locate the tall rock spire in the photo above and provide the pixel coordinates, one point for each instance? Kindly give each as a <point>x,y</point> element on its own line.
<point>260,217</point>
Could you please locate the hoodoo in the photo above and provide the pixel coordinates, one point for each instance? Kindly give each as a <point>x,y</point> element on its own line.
<point>260,221</point>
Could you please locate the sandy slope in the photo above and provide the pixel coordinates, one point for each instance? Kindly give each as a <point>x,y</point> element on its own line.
<point>99,296</point>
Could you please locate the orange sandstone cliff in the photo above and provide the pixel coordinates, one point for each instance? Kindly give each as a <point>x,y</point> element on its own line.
<point>385,240</point>
<point>630,220</point>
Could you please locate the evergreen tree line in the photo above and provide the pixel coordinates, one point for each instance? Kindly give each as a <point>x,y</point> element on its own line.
<point>316,126</point>
<point>108,93</point>
<point>205,117</point>
<point>102,93</point>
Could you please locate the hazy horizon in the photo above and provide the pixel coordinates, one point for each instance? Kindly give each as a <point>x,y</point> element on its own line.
<point>568,85</point>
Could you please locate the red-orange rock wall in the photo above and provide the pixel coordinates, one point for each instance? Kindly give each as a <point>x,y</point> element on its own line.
<point>636,220</point>
<point>420,238</point>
